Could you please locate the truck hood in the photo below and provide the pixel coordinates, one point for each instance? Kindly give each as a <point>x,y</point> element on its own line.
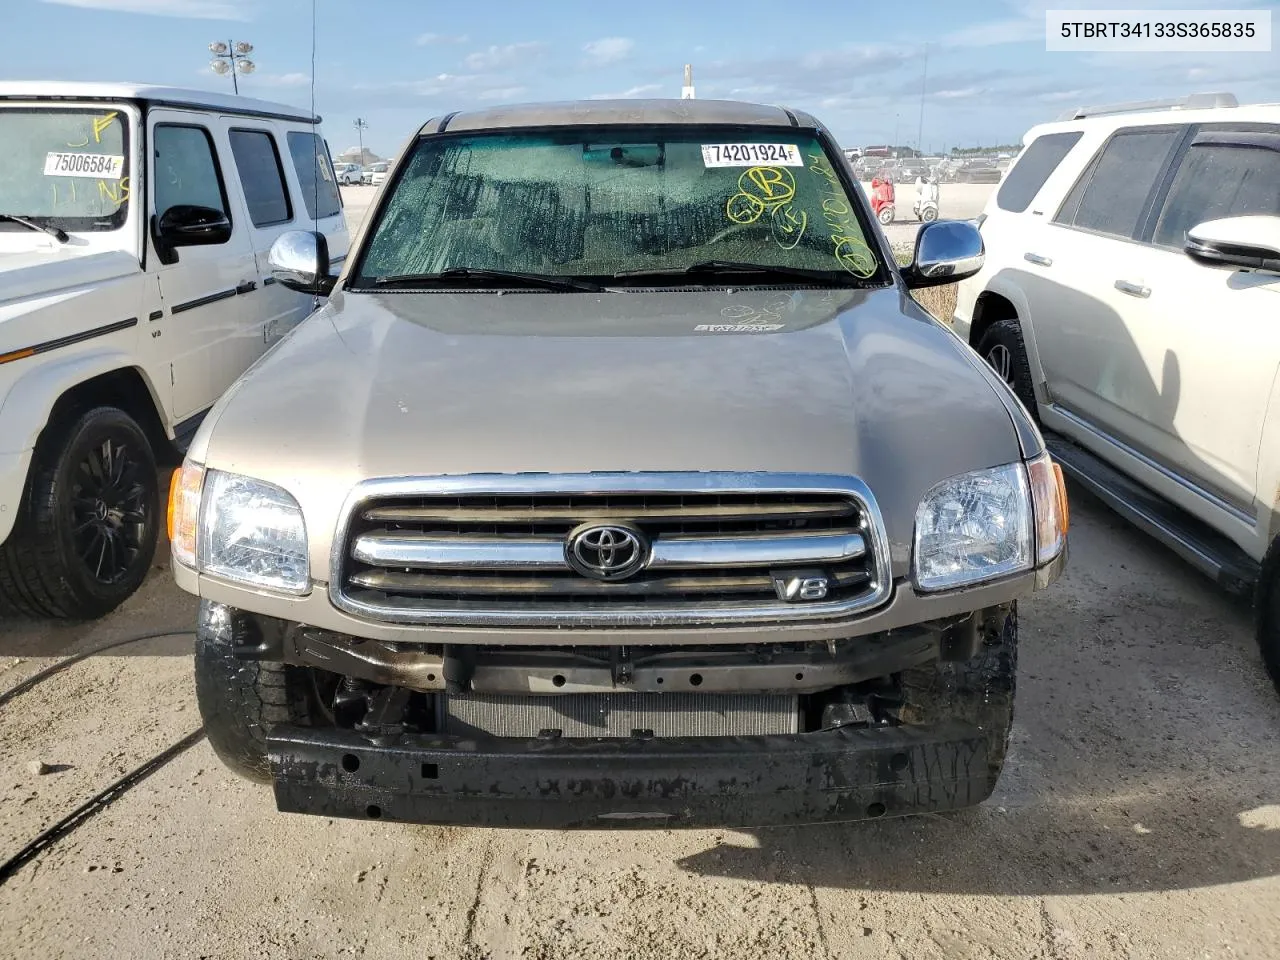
<point>843,382</point>
<point>31,273</point>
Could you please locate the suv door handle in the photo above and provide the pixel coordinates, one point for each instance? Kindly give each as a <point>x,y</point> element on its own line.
<point>1037,259</point>
<point>246,286</point>
<point>1133,289</point>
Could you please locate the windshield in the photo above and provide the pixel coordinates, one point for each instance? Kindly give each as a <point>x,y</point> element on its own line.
<point>66,168</point>
<point>596,203</point>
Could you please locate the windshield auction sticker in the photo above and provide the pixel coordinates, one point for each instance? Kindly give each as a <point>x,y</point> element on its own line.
<point>104,166</point>
<point>751,155</point>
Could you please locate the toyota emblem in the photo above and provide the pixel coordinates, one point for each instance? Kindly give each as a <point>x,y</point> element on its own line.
<point>606,551</point>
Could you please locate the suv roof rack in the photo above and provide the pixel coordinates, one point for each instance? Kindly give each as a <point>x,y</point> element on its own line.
<point>1196,101</point>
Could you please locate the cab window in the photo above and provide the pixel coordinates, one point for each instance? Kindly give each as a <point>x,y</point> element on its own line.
<point>1223,174</point>
<point>186,169</point>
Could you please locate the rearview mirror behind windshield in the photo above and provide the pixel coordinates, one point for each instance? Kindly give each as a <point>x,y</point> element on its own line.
<point>625,154</point>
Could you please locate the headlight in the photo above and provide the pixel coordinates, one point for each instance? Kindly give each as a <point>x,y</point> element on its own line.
<point>974,527</point>
<point>239,529</point>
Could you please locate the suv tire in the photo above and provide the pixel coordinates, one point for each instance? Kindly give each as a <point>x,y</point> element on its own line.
<point>241,700</point>
<point>978,691</point>
<point>1004,350</point>
<point>87,524</point>
<point>1267,613</point>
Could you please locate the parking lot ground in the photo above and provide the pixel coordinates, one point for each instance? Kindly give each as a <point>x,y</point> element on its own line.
<point>1138,817</point>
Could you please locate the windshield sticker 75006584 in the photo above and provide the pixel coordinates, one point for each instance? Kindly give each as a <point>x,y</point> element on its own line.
<point>103,166</point>
<point>751,154</point>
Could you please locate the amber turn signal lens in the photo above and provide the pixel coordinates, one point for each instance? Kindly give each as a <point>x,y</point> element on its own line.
<point>184,512</point>
<point>1049,499</point>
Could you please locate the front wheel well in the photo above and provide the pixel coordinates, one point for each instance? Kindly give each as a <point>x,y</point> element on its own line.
<point>126,390</point>
<point>990,309</point>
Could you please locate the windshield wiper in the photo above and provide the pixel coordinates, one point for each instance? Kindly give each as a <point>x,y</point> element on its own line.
<point>536,280</point>
<point>57,233</point>
<point>724,267</point>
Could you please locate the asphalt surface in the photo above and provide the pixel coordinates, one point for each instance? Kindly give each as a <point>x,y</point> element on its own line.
<point>1138,817</point>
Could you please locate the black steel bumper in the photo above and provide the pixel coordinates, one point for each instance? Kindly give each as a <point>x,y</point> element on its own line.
<point>839,775</point>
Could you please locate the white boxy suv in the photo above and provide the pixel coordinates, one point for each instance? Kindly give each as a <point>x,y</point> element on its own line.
<point>134,289</point>
<point>1131,298</point>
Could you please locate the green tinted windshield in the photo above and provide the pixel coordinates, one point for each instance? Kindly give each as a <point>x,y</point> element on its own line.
<point>67,168</point>
<point>596,203</point>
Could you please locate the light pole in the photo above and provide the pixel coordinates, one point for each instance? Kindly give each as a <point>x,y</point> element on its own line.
<point>894,146</point>
<point>231,57</point>
<point>924,80</point>
<point>361,126</point>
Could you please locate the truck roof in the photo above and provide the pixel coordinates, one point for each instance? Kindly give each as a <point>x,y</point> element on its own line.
<point>619,112</point>
<point>151,94</point>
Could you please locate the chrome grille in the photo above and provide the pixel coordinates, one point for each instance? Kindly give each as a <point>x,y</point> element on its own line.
<point>491,550</point>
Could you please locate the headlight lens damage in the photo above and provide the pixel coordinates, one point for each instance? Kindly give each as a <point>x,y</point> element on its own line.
<point>240,529</point>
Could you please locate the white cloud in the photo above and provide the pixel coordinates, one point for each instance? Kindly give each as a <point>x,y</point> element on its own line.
<point>1062,96</point>
<point>510,55</point>
<point>755,90</point>
<point>197,9</point>
<point>608,50</point>
<point>501,93</point>
<point>426,39</point>
<point>996,32</point>
<point>963,93</point>
<point>282,79</point>
<point>641,91</point>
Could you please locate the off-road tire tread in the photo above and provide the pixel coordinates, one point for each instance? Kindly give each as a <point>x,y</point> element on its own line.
<point>1008,333</point>
<point>241,700</point>
<point>1266,606</point>
<point>978,691</point>
<point>32,580</point>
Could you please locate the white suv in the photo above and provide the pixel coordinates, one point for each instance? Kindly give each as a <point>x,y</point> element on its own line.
<point>1131,299</point>
<point>135,224</point>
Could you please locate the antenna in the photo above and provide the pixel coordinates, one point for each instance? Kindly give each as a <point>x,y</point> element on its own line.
<point>687,92</point>
<point>316,142</point>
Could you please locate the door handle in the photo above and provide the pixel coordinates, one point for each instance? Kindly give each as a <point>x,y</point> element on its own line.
<point>246,286</point>
<point>1133,289</point>
<point>1037,259</point>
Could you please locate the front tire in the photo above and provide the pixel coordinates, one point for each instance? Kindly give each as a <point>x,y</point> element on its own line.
<point>886,215</point>
<point>978,691</point>
<point>1267,613</point>
<point>88,520</point>
<point>1004,350</point>
<point>929,215</point>
<point>241,700</point>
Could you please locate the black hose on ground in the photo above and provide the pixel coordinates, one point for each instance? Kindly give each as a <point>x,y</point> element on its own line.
<point>100,801</point>
<point>61,665</point>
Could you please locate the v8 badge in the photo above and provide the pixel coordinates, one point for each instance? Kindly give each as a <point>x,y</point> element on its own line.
<point>798,585</point>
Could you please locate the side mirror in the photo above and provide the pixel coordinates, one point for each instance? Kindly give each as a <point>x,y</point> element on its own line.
<point>188,225</point>
<point>299,260</point>
<point>1245,243</point>
<point>947,251</point>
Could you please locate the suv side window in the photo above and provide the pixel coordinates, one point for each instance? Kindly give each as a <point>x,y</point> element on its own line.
<point>1112,194</point>
<point>1033,168</point>
<point>1222,175</point>
<point>186,169</point>
<point>315,176</point>
<point>261,176</point>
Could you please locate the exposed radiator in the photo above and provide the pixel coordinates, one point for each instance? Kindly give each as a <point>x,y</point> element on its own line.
<point>621,714</point>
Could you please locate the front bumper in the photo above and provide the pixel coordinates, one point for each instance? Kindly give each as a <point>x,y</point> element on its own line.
<point>732,782</point>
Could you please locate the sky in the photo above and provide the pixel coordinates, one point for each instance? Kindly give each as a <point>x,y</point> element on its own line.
<point>939,75</point>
